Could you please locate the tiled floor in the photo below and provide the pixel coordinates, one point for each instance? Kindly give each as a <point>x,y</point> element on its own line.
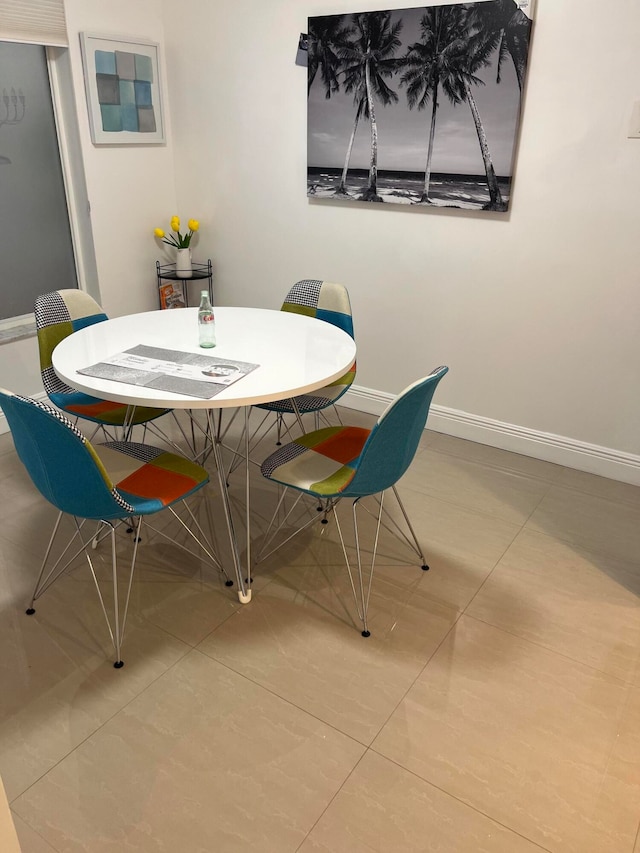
<point>496,706</point>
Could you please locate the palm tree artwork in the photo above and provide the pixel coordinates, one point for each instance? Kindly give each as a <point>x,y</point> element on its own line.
<point>360,103</point>
<point>451,59</point>
<point>474,56</point>
<point>327,35</point>
<point>368,62</point>
<point>490,31</point>
<point>429,66</point>
<point>506,23</point>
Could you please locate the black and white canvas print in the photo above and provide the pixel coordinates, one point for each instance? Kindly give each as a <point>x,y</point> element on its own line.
<point>417,106</point>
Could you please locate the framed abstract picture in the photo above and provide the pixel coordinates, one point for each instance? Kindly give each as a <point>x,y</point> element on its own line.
<point>122,82</point>
<point>418,106</point>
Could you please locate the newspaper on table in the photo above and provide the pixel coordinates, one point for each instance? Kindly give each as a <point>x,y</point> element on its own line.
<point>188,373</point>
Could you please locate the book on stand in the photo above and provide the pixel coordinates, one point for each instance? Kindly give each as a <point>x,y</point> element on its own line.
<point>171,296</point>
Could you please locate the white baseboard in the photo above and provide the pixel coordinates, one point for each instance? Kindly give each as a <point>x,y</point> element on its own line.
<point>529,442</point>
<point>541,445</point>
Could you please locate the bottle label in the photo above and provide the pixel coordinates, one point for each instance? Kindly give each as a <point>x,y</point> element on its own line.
<point>207,318</point>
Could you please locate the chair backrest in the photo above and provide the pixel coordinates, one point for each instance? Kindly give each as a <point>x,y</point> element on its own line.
<point>61,462</point>
<point>393,441</point>
<point>322,299</point>
<point>58,314</point>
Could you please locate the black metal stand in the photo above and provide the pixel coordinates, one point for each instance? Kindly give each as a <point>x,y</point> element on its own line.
<point>171,297</point>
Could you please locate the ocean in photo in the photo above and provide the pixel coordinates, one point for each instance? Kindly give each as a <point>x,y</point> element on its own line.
<point>468,192</point>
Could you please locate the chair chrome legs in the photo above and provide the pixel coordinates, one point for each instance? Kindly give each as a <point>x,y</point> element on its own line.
<point>362,595</point>
<point>38,591</point>
<point>117,624</point>
<point>416,544</point>
<point>360,577</point>
<point>116,631</point>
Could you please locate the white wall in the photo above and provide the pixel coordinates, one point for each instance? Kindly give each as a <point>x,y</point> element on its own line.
<point>536,311</point>
<point>131,190</point>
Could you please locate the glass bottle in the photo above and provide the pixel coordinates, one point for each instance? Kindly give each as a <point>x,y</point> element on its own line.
<point>206,321</point>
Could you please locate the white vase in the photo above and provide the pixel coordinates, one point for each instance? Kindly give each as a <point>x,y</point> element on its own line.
<point>183,263</point>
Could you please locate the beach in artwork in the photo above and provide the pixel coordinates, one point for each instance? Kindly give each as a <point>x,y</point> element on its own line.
<point>417,106</point>
<point>468,192</point>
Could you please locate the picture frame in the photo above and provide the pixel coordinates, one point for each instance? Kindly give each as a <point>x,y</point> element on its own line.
<point>387,125</point>
<point>123,88</point>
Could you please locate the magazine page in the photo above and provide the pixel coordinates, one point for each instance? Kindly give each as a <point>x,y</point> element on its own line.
<point>178,372</point>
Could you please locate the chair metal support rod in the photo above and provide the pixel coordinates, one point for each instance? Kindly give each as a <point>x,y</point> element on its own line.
<point>97,585</point>
<point>207,550</point>
<point>46,557</point>
<point>394,528</point>
<point>136,540</point>
<point>116,615</point>
<point>267,541</point>
<point>127,423</point>
<point>49,580</point>
<point>236,452</point>
<point>155,430</point>
<point>346,559</point>
<point>297,414</point>
<point>364,603</point>
<point>375,551</point>
<point>409,525</point>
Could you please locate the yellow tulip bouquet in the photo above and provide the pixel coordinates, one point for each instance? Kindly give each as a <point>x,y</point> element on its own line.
<point>178,240</point>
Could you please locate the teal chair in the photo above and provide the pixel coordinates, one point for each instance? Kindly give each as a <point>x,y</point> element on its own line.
<point>326,301</point>
<point>73,475</point>
<point>59,314</point>
<point>335,463</point>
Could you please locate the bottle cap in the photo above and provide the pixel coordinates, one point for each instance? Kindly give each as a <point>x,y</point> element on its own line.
<point>204,293</point>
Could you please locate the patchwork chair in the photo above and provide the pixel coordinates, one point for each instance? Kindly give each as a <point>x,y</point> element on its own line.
<point>58,314</point>
<point>73,475</point>
<point>325,301</point>
<point>339,462</point>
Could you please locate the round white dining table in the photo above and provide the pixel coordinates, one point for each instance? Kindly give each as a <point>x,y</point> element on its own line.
<point>295,354</point>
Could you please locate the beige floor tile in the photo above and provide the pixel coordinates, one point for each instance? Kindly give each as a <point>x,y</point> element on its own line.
<point>591,522</point>
<point>52,701</point>
<point>58,682</point>
<point>583,605</point>
<point>299,639</point>
<point>187,611</point>
<point>383,808</point>
<point>496,458</point>
<point>201,760</point>
<point>523,723</point>
<point>460,545</point>
<point>613,490</point>
<point>6,444</point>
<point>503,494</point>
<point>175,590</point>
<point>30,527</point>
<point>30,841</point>
<point>178,592</point>
<point>18,572</point>
<point>15,481</point>
<point>546,747</point>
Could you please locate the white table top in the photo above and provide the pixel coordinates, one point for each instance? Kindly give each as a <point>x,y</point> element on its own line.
<point>296,354</point>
